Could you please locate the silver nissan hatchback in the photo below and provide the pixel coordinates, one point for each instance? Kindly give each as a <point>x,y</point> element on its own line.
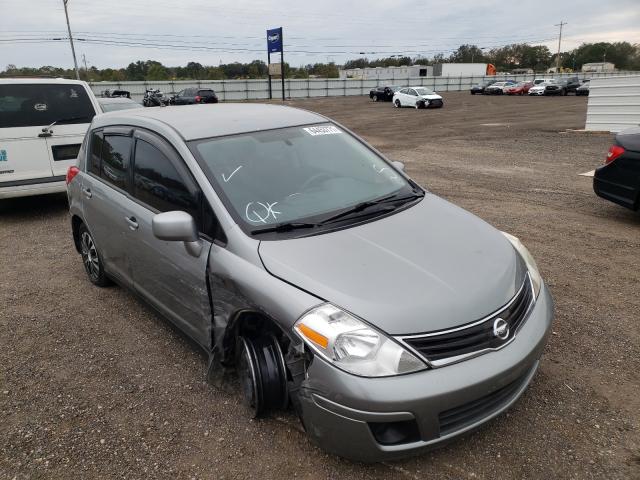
<point>301,259</point>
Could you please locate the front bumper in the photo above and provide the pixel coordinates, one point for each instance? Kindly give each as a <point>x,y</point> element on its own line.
<point>344,413</point>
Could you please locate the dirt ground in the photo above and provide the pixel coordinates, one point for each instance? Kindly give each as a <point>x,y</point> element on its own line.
<point>94,385</point>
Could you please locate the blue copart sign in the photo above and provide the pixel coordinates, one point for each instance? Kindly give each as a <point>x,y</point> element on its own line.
<point>274,40</point>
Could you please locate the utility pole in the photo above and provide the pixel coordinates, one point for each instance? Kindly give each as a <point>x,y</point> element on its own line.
<point>561,24</point>
<point>86,70</point>
<point>73,50</point>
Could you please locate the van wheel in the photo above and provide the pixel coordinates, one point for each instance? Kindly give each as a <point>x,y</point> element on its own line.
<point>91,258</point>
<point>397,104</point>
<point>262,374</point>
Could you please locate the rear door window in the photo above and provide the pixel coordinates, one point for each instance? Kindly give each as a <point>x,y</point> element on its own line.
<point>96,153</point>
<point>29,105</point>
<point>116,151</point>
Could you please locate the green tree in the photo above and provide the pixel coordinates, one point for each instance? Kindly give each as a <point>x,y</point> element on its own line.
<point>157,72</point>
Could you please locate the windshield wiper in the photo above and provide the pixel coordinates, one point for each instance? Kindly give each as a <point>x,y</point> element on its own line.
<point>284,227</point>
<point>47,132</point>
<point>370,203</point>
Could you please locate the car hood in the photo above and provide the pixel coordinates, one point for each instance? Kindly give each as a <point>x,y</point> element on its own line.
<point>433,96</point>
<point>432,266</point>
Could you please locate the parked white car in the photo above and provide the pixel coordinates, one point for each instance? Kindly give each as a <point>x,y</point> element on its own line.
<point>42,126</point>
<point>417,97</point>
<point>538,89</point>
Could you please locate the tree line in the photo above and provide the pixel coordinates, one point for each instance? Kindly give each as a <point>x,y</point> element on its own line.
<point>624,55</point>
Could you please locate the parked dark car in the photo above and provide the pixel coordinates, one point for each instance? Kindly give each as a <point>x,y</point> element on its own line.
<point>383,93</point>
<point>618,180</point>
<point>563,86</point>
<point>479,88</point>
<point>115,94</point>
<point>190,96</point>
<point>584,88</point>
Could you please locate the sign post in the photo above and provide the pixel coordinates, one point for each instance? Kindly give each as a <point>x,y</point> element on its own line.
<point>274,45</point>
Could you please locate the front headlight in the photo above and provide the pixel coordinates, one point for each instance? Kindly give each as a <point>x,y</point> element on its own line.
<point>352,345</point>
<point>536,279</point>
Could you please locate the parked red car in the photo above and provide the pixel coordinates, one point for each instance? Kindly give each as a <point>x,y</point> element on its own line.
<point>521,88</point>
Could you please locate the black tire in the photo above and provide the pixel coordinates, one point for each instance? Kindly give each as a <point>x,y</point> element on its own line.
<point>397,103</point>
<point>473,93</point>
<point>565,93</point>
<point>91,258</point>
<point>375,98</point>
<point>262,374</point>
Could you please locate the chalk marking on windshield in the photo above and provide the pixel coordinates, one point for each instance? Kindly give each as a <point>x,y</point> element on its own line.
<point>255,217</point>
<point>232,174</point>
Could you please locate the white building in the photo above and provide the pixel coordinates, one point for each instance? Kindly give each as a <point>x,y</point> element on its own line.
<point>598,67</point>
<point>387,73</point>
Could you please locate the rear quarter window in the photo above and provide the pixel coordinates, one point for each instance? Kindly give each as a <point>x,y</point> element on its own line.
<point>28,105</point>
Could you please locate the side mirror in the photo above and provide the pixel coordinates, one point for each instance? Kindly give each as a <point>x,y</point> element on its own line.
<point>398,165</point>
<point>177,227</point>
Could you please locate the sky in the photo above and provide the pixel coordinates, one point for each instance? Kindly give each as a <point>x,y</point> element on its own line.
<point>113,33</point>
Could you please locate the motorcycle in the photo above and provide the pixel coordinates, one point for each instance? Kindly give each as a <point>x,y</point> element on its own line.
<point>154,98</point>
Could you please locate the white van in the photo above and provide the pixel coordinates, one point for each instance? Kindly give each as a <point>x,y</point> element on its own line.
<point>42,125</point>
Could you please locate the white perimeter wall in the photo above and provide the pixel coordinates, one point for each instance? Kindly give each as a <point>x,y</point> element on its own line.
<point>614,103</point>
<point>235,90</point>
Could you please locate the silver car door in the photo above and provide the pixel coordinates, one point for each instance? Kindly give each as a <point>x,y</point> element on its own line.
<point>169,277</point>
<point>104,196</point>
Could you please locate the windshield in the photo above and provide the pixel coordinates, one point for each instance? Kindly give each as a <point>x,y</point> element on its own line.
<point>28,105</point>
<point>297,173</point>
<point>424,91</point>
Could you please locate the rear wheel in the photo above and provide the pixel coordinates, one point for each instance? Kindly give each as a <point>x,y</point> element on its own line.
<point>91,258</point>
<point>397,103</point>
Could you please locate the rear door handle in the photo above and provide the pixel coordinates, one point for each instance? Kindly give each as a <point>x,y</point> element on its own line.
<point>133,223</point>
<point>87,192</point>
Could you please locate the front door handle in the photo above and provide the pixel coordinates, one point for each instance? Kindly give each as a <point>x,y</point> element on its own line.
<point>87,192</point>
<point>133,223</point>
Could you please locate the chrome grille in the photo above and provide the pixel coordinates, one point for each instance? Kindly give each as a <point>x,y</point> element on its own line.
<point>450,346</point>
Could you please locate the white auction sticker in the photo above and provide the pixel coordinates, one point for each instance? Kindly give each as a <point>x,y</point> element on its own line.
<point>322,130</point>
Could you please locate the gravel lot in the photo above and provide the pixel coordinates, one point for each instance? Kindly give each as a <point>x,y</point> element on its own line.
<point>94,385</point>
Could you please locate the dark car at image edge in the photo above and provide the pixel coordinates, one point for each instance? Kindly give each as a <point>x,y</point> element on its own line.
<point>618,180</point>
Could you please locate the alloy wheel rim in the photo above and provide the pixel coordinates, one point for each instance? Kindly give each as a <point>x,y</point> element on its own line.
<point>90,256</point>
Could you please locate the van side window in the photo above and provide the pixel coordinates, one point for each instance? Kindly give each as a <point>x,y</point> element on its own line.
<point>93,162</point>
<point>157,183</point>
<point>116,150</point>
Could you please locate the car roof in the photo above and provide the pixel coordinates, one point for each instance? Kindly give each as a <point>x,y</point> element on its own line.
<point>213,120</point>
<point>35,80</point>
<point>115,100</point>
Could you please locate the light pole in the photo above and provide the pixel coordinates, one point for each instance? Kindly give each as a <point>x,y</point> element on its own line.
<point>73,50</point>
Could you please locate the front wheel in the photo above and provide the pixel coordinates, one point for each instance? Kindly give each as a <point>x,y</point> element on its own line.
<point>91,258</point>
<point>262,374</point>
<point>375,98</point>
<point>397,104</point>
